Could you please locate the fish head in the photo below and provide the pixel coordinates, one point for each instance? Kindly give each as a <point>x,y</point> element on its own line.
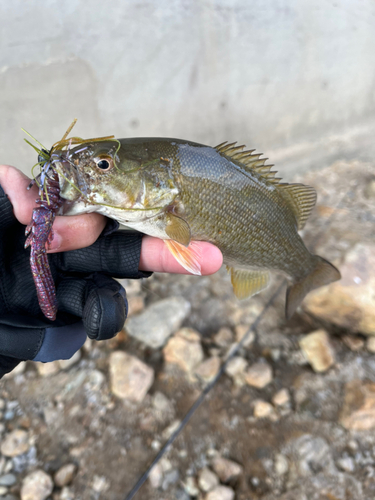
<point>112,178</point>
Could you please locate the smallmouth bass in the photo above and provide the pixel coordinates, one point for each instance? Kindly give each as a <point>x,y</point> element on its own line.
<point>181,192</point>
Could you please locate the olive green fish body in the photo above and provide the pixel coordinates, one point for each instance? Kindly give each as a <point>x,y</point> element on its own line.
<point>182,191</point>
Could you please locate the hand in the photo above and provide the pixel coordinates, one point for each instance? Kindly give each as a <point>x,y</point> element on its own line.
<point>91,295</point>
<point>79,231</point>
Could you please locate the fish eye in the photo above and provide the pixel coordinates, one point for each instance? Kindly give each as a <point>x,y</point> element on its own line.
<point>104,163</point>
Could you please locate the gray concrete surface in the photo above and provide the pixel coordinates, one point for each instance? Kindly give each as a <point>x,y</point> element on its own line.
<point>294,79</point>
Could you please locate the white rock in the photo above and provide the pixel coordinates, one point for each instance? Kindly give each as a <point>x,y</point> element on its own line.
<point>236,367</point>
<point>184,349</point>
<point>318,350</point>
<point>371,344</point>
<point>263,409</point>
<point>258,375</point>
<point>224,337</point>
<point>36,486</point>
<point>207,480</point>
<point>281,464</point>
<point>220,493</point>
<point>156,476</point>
<point>130,377</point>
<point>15,443</point>
<point>48,369</point>
<point>208,369</point>
<point>281,398</point>
<point>350,302</point>
<point>226,469</point>
<point>65,475</point>
<point>67,363</point>
<point>158,321</point>
<point>190,486</point>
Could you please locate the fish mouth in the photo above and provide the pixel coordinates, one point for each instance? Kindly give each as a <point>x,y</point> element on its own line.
<point>68,176</point>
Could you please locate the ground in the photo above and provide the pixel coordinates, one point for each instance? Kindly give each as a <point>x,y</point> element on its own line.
<point>289,431</point>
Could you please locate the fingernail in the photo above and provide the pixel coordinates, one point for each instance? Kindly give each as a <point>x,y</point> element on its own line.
<point>55,244</point>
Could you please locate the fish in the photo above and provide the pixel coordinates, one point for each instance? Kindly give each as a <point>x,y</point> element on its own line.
<point>184,192</point>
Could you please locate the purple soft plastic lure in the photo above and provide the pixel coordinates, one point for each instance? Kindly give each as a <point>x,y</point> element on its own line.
<point>39,232</point>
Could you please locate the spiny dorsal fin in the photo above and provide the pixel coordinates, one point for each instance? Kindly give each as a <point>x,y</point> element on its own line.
<point>301,199</point>
<point>250,162</point>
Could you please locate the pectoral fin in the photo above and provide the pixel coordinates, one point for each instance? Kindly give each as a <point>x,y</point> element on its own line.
<point>178,229</point>
<point>189,257</point>
<point>247,283</point>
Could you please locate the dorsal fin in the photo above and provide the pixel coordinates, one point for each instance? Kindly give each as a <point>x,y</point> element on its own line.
<point>249,161</point>
<point>301,199</point>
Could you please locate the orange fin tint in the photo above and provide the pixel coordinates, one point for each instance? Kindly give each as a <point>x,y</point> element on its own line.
<point>189,257</point>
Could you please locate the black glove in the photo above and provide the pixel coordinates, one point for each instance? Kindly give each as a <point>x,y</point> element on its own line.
<point>89,300</point>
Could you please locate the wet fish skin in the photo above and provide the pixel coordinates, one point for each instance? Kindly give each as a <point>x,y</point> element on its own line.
<point>182,191</point>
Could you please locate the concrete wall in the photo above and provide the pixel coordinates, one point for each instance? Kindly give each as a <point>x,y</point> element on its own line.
<point>294,79</point>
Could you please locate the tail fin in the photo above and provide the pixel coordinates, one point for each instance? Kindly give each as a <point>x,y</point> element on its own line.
<point>322,274</point>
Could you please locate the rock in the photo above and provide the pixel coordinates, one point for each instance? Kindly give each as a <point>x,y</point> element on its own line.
<point>262,409</point>
<point>161,403</point>
<point>226,469</point>
<point>157,323</point>
<point>241,331</point>
<point>281,464</point>
<point>168,431</point>
<point>190,486</point>
<point>65,475</point>
<point>67,494</point>
<point>3,490</point>
<point>15,443</point>
<point>346,464</point>
<point>258,375</point>
<point>224,337</point>
<point>156,476</point>
<point>170,477</point>
<point>318,351</point>
<point>350,302</point>
<point>48,369</point>
<point>67,363</point>
<point>208,369</point>
<point>36,486</point>
<point>309,455</point>
<point>281,398</point>
<point>136,305</point>
<point>354,342</point>
<point>207,480</point>
<point>100,484</point>
<point>184,349</point>
<point>18,370</point>
<point>235,368</point>
<point>130,377</point>
<point>220,493</point>
<point>8,480</point>
<point>371,344</point>
<point>358,412</point>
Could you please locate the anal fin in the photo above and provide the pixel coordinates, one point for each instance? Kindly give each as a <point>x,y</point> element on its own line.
<point>189,257</point>
<point>248,282</point>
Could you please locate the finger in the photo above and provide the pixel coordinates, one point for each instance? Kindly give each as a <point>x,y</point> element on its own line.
<point>116,255</point>
<point>69,233</point>
<point>155,256</point>
<point>15,183</point>
<point>75,231</point>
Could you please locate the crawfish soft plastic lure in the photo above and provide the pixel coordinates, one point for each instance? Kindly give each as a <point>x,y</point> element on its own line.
<point>39,232</point>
